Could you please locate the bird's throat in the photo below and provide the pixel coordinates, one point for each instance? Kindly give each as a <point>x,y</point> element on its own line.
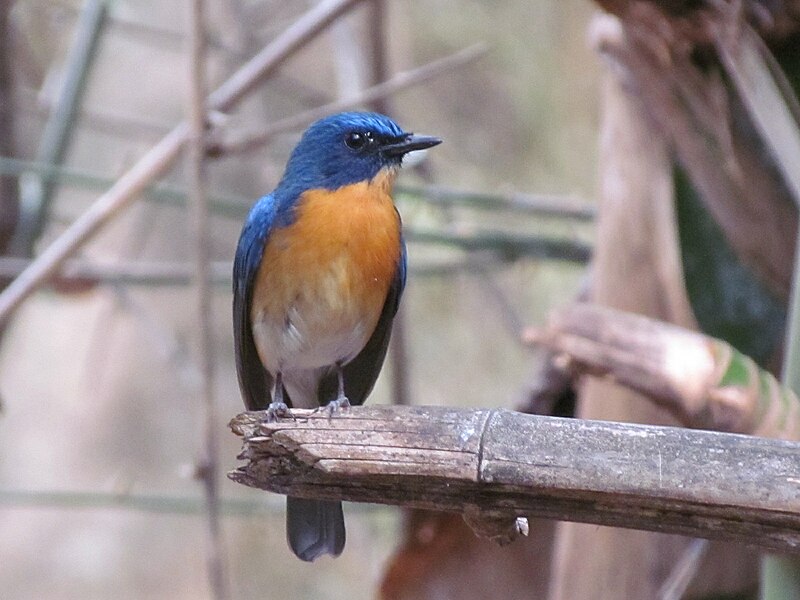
<point>384,180</point>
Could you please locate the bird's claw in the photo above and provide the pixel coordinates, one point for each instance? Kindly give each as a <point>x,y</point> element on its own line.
<point>340,403</point>
<point>276,411</point>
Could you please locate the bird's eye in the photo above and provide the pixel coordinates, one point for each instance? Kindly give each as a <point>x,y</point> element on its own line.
<point>357,141</point>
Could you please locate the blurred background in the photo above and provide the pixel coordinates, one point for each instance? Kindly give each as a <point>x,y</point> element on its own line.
<point>101,417</point>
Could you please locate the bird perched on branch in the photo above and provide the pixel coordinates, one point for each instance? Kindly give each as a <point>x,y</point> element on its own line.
<point>317,278</point>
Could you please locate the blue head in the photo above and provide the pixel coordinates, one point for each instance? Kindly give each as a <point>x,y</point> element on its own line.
<point>347,148</point>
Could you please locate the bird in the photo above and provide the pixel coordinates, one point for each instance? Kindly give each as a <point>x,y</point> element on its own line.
<point>317,277</point>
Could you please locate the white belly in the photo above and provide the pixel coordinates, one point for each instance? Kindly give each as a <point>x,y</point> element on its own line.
<point>294,342</point>
<point>307,343</point>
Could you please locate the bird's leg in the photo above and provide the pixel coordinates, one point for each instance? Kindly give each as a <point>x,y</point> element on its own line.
<point>341,401</point>
<point>277,408</point>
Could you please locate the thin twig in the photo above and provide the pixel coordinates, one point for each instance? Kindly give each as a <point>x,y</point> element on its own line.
<point>85,273</point>
<point>105,208</point>
<point>81,274</point>
<point>349,62</point>
<point>146,34</point>
<point>504,242</point>
<point>103,120</point>
<point>162,156</point>
<point>37,193</point>
<point>400,391</point>
<point>9,197</point>
<point>397,83</point>
<point>379,69</point>
<point>208,465</point>
<point>229,206</point>
<point>150,503</point>
<point>684,571</point>
<point>550,205</point>
<point>266,62</point>
<point>512,319</point>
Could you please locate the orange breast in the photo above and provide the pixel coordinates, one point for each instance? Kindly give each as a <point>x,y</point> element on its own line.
<point>325,277</point>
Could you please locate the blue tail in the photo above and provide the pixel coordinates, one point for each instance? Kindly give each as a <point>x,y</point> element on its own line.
<point>314,527</point>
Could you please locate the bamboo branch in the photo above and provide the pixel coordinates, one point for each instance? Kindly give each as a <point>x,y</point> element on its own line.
<point>506,465</point>
<point>684,571</point>
<point>234,207</point>
<point>146,503</point>
<point>188,505</point>
<point>228,206</point>
<point>703,381</point>
<point>146,34</point>
<point>378,71</point>
<point>266,62</point>
<point>79,275</point>
<point>104,120</point>
<point>378,37</point>
<point>37,193</point>
<point>208,464</point>
<point>161,157</point>
<point>9,196</point>
<point>533,204</point>
<point>400,81</point>
<point>507,243</point>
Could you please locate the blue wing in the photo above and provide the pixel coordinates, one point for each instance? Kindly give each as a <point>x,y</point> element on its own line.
<point>255,382</point>
<point>361,373</point>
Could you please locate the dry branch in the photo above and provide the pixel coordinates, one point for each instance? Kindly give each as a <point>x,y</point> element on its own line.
<point>9,198</point>
<point>506,243</point>
<point>208,463</point>
<point>546,205</point>
<point>59,129</point>
<point>703,381</point>
<point>698,483</point>
<point>400,81</point>
<point>78,275</point>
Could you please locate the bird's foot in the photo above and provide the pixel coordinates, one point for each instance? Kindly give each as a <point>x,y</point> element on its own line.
<point>340,403</point>
<point>277,410</point>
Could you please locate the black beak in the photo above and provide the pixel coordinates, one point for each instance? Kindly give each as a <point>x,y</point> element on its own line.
<point>409,143</point>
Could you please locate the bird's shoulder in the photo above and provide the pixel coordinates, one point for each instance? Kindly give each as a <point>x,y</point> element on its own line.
<point>268,213</point>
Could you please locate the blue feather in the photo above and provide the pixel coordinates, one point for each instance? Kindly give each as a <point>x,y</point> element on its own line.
<point>255,381</point>
<point>321,161</point>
